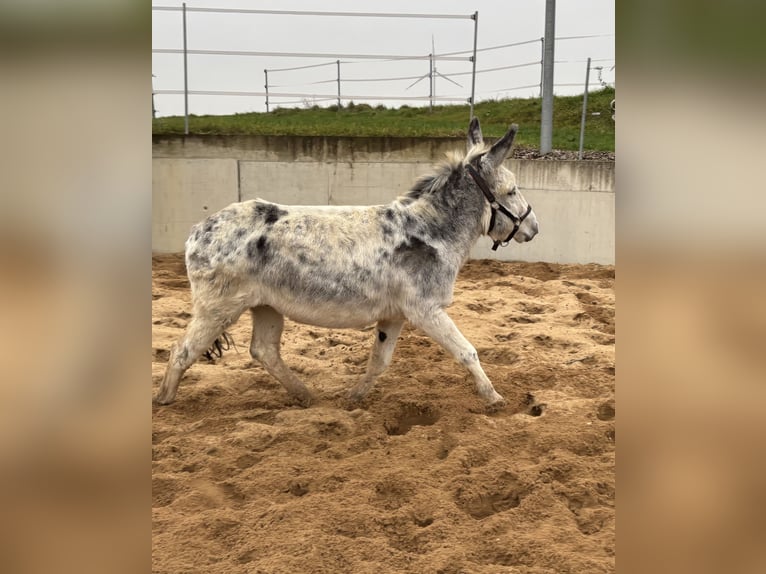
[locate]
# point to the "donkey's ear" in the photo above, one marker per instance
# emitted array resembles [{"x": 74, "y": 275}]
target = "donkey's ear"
[
  {"x": 502, "y": 147},
  {"x": 474, "y": 133}
]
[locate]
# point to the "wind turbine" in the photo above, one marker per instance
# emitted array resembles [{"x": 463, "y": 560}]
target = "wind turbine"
[{"x": 431, "y": 75}]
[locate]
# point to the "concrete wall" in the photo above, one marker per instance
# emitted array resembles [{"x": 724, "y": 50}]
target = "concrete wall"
[{"x": 195, "y": 176}]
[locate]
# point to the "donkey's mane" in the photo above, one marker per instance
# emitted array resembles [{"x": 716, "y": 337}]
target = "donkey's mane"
[{"x": 435, "y": 182}]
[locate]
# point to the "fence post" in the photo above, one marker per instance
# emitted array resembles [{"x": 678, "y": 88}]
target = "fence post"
[
  {"x": 186, "y": 81},
  {"x": 546, "y": 119},
  {"x": 266, "y": 85},
  {"x": 542, "y": 64},
  {"x": 430, "y": 83},
  {"x": 473, "y": 59},
  {"x": 584, "y": 109},
  {"x": 154, "y": 110},
  {"x": 338, "y": 63}
]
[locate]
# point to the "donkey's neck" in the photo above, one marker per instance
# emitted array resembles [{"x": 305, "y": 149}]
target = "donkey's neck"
[{"x": 452, "y": 215}]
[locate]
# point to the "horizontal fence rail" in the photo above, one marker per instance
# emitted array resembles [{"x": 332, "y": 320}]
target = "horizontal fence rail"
[
  {"x": 311, "y": 13},
  {"x": 302, "y": 95},
  {"x": 389, "y": 57}
]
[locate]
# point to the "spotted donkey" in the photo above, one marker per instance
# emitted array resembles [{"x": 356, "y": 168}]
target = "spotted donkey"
[{"x": 349, "y": 267}]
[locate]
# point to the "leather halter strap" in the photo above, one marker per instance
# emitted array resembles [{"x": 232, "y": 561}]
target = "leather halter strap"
[{"x": 493, "y": 203}]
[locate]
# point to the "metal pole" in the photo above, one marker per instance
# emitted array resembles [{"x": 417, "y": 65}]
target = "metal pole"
[
  {"x": 584, "y": 109},
  {"x": 186, "y": 81},
  {"x": 266, "y": 85},
  {"x": 546, "y": 119},
  {"x": 542, "y": 60},
  {"x": 473, "y": 58},
  {"x": 431, "y": 83},
  {"x": 338, "y": 62}
]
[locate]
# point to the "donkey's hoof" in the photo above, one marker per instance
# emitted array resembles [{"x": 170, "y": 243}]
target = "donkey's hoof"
[
  {"x": 496, "y": 404},
  {"x": 350, "y": 404},
  {"x": 353, "y": 400},
  {"x": 304, "y": 399},
  {"x": 160, "y": 400}
]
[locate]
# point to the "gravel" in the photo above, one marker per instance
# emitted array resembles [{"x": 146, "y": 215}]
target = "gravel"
[{"x": 558, "y": 154}]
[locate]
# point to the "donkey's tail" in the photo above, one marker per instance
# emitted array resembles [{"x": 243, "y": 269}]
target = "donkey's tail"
[{"x": 221, "y": 344}]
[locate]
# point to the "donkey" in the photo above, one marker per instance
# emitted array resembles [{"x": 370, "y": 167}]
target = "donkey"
[{"x": 351, "y": 267}]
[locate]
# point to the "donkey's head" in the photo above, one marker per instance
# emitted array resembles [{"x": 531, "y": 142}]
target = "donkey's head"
[{"x": 511, "y": 214}]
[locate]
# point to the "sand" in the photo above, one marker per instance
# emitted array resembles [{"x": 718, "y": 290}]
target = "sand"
[{"x": 419, "y": 479}]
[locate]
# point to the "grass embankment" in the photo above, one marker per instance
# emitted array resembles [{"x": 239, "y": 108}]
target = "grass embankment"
[{"x": 365, "y": 120}]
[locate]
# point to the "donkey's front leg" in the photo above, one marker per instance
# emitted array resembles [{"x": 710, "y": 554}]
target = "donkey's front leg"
[
  {"x": 441, "y": 329},
  {"x": 386, "y": 334}
]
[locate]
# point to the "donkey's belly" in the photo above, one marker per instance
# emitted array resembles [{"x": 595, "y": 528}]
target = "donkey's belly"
[
  {"x": 333, "y": 315},
  {"x": 313, "y": 303}
]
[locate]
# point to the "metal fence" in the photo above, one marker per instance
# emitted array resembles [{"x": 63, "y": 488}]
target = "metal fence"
[
  {"x": 278, "y": 81},
  {"x": 186, "y": 51}
]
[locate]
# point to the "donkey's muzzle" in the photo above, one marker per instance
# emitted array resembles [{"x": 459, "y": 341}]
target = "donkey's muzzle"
[{"x": 530, "y": 235}]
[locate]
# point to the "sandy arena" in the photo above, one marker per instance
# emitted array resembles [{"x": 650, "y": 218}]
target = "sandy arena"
[{"x": 419, "y": 480}]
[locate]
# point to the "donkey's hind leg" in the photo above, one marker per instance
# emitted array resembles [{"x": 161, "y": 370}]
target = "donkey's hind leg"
[
  {"x": 264, "y": 346},
  {"x": 386, "y": 334},
  {"x": 204, "y": 328},
  {"x": 441, "y": 329}
]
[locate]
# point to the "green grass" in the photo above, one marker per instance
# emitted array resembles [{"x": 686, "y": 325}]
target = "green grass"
[{"x": 364, "y": 120}]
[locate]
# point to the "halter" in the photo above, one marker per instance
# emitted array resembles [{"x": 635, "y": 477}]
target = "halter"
[{"x": 493, "y": 203}]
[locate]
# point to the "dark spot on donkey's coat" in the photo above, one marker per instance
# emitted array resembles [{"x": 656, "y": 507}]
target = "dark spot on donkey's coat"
[
  {"x": 196, "y": 259},
  {"x": 210, "y": 223},
  {"x": 383, "y": 256},
  {"x": 416, "y": 255},
  {"x": 268, "y": 212},
  {"x": 408, "y": 221},
  {"x": 421, "y": 262},
  {"x": 227, "y": 247},
  {"x": 259, "y": 248}
]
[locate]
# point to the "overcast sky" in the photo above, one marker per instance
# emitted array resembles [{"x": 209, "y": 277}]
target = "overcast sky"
[{"x": 500, "y": 22}]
